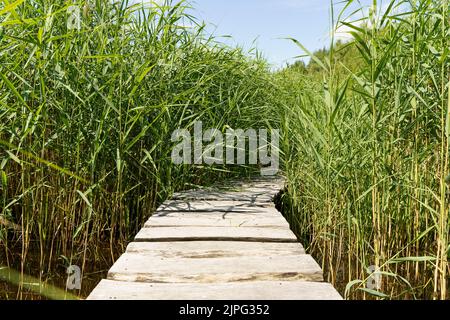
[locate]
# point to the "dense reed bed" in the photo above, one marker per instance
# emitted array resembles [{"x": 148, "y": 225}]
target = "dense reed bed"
[
  {"x": 368, "y": 151},
  {"x": 86, "y": 118}
]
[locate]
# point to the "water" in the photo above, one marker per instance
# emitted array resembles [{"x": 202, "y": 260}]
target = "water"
[{"x": 54, "y": 273}]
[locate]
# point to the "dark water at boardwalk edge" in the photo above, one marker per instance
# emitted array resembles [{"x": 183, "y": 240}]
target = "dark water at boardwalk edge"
[{"x": 95, "y": 269}]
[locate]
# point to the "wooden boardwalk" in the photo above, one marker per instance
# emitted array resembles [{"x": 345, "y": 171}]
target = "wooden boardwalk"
[{"x": 218, "y": 244}]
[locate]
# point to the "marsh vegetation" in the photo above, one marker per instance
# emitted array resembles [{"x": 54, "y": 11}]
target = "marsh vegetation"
[{"x": 86, "y": 118}]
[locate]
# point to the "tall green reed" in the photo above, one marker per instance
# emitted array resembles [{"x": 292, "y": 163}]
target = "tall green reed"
[
  {"x": 86, "y": 116},
  {"x": 367, "y": 161}
]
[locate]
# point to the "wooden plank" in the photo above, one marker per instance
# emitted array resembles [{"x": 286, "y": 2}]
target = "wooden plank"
[
  {"x": 216, "y": 234},
  {"x": 267, "y": 212},
  {"x": 275, "y": 182},
  {"x": 217, "y": 244},
  {"x": 278, "y": 181},
  {"x": 216, "y": 206},
  {"x": 217, "y": 195},
  {"x": 255, "y": 290},
  {"x": 140, "y": 267},
  {"x": 271, "y": 191},
  {"x": 208, "y": 249},
  {"x": 253, "y": 193},
  {"x": 217, "y": 220}
]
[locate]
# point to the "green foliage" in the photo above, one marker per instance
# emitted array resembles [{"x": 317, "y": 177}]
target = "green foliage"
[
  {"x": 367, "y": 154},
  {"x": 86, "y": 118}
]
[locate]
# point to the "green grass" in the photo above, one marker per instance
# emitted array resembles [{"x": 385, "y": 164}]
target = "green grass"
[
  {"x": 86, "y": 117},
  {"x": 367, "y": 155}
]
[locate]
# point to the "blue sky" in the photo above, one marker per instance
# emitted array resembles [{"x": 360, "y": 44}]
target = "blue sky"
[{"x": 267, "y": 21}]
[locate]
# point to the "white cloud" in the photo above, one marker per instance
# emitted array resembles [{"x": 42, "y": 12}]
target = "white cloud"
[
  {"x": 343, "y": 32},
  {"x": 360, "y": 18}
]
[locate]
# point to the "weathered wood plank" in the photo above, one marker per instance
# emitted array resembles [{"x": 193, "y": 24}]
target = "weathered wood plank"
[
  {"x": 238, "y": 185},
  {"x": 208, "y": 249},
  {"x": 147, "y": 268},
  {"x": 216, "y": 220},
  {"x": 252, "y": 193},
  {"x": 217, "y": 243},
  {"x": 255, "y": 290},
  {"x": 217, "y": 195},
  {"x": 258, "y": 181},
  {"x": 215, "y": 206},
  {"x": 216, "y": 234},
  {"x": 268, "y": 212}
]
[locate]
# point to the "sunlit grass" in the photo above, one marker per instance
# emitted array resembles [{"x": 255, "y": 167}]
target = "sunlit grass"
[
  {"x": 367, "y": 155},
  {"x": 86, "y": 118}
]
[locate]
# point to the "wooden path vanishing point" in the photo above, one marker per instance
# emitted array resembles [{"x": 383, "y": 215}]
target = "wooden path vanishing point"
[{"x": 217, "y": 244}]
